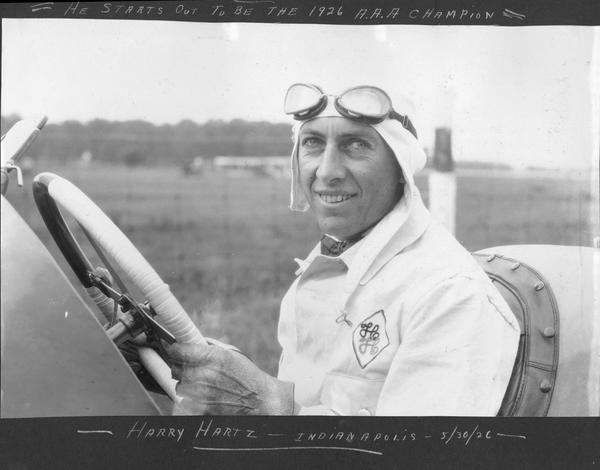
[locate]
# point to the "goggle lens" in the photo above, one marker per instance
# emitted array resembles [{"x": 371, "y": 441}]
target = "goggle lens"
[
  {"x": 365, "y": 102},
  {"x": 301, "y": 98}
]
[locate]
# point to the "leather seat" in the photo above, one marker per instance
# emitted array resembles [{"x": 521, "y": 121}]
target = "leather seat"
[{"x": 532, "y": 301}]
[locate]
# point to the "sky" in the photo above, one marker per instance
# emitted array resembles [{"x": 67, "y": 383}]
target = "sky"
[{"x": 521, "y": 96}]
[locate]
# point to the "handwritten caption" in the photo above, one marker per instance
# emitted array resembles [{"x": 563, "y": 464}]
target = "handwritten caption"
[
  {"x": 262, "y": 9},
  {"x": 211, "y": 435}
]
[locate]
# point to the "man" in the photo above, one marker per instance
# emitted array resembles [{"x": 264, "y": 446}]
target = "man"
[{"x": 388, "y": 315}]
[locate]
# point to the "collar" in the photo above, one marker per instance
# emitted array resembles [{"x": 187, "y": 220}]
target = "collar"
[{"x": 346, "y": 257}]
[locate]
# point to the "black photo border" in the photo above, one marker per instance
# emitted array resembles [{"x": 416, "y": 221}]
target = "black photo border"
[{"x": 307, "y": 442}]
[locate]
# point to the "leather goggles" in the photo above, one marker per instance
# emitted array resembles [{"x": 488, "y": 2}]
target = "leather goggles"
[{"x": 363, "y": 103}]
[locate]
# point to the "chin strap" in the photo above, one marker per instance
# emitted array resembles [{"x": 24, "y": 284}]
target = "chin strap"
[{"x": 333, "y": 246}]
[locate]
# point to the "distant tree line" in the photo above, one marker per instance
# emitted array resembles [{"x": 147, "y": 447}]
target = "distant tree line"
[{"x": 141, "y": 142}]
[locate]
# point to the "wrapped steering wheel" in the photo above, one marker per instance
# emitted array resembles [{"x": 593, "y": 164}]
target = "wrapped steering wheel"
[{"x": 127, "y": 317}]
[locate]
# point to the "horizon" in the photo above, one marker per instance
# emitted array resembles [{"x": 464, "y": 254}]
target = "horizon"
[
  {"x": 461, "y": 164},
  {"x": 522, "y": 95}
]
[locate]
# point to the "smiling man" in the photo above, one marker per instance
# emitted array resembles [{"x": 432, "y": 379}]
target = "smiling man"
[
  {"x": 348, "y": 174},
  {"x": 388, "y": 314}
]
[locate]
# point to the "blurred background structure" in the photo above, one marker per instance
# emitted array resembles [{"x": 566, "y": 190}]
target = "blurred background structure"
[{"x": 176, "y": 131}]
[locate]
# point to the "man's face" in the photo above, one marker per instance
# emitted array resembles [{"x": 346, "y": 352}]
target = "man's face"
[{"x": 348, "y": 173}]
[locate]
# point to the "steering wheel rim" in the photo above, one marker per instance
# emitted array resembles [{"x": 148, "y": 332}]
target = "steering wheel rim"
[{"x": 48, "y": 189}]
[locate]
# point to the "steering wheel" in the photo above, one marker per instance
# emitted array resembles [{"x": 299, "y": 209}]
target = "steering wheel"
[{"x": 173, "y": 323}]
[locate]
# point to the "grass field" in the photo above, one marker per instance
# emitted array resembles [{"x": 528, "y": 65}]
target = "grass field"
[{"x": 225, "y": 243}]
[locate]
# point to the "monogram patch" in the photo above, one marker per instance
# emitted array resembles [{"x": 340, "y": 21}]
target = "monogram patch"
[{"x": 370, "y": 338}]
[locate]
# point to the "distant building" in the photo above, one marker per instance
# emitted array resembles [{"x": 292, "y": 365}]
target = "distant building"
[
  {"x": 198, "y": 165},
  {"x": 275, "y": 167}
]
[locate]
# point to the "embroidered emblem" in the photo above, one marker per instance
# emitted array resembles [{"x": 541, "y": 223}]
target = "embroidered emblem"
[{"x": 370, "y": 338}]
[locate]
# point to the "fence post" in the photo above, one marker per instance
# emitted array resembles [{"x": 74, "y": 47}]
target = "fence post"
[{"x": 442, "y": 181}]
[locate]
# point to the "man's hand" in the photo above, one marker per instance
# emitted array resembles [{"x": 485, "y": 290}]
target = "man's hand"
[{"x": 218, "y": 381}]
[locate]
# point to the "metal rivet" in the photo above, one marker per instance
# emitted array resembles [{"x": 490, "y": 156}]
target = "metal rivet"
[
  {"x": 515, "y": 266},
  {"x": 549, "y": 332},
  {"x": 545, "y": 386},
  {"x": 539, "y": 286},
  {"x": 490, "y": 258}
]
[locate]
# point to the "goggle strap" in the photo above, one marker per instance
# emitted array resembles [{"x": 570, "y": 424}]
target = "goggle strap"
[{"x": 405, "y": 121}]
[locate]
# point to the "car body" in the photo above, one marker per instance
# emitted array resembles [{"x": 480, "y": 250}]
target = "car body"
[{"x": 57, "y": 359}]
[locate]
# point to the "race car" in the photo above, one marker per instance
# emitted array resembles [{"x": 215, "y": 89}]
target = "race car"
[{"x": 59, "y": 358}]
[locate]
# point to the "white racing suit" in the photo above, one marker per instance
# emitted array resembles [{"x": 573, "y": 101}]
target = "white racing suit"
[{"x": 402, "y": 323}]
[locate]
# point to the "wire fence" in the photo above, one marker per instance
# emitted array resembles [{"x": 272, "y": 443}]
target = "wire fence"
[{"x": 225, "y": 240}]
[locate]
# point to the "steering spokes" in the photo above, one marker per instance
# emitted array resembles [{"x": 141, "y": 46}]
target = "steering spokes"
[{"x": 136, "y": 317}]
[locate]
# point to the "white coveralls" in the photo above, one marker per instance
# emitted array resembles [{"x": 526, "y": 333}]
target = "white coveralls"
[
  {"x": 403, "y": 323},
  {"x": 445, "y": 340}
]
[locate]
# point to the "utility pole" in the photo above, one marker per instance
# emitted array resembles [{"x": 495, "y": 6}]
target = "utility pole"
[{"x": 442, "y": 181}]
